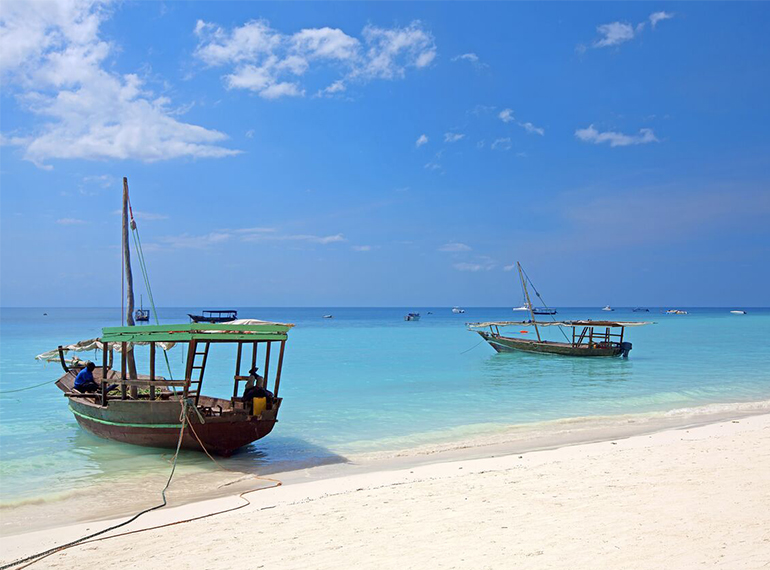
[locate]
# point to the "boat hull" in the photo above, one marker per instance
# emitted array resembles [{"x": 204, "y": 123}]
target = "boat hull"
[
  {"x": 202, "y": 319},
  {"x": 157, "y": 424},
  {"x": 509, "y": 344}
]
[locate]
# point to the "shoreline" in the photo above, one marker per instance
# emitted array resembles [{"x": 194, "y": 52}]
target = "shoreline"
[
  {"x": 675, "y": 498},
  {"x": 202, "y": 485}
]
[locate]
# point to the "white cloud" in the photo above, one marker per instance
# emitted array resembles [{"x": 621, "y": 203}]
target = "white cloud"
[
  {"x": 503, "y": 143},
  {"x": 270, "y": 63},
  {"x": 432, "y": 166},
  {"x": 454, "y": 247},
  {"x": 532, "y": 129},
  {"x": 506, "y": 115},
  {"x": 145, "y": 216},
  {"x": 267, "y": 235},
  {"x": 187, "y": 241},
  {"x": 361, "y": 248},
  {"x": 453, "y": 137},
  {"x": 483, "y": 263},
  {"x": 656, "y": 17},
  {"x": 54, "y": 57},
  {"x": 422, "y": 139},
  {"x": 471, "y": 58},
  {"x": 590, "y": 134},
  {"x": 70, "y": 221},
  {"x": 614, "y": 34},
  {"x": 510, "y": 267},
  {"x": 250, "y": 134}
]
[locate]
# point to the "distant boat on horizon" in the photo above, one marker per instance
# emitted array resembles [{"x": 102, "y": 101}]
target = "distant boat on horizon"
[
  {"x": 641, "y": 310},
  {"x": 544, "y": 311},
  {"x": 328, "y": 316},
  {"x": 214, "y": 316},
  {"x": 738, "y": 312},
  {"x": 412, "y": 317},
  {"x": 676, "y": 312},
  {"x": 607, "y": 308},
  {"x": 142, "y": 315},
  {"x": 457, "y": 310}
]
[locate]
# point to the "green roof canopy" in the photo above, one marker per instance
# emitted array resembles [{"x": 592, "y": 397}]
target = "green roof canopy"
[{"x": 223, "y": 332}]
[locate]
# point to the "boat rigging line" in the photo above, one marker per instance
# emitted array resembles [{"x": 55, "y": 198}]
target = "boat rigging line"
[
  {"x": 146, "y": 277},
  {"x": 186, "y": 406},
  {"x": 539, "y": 296}
]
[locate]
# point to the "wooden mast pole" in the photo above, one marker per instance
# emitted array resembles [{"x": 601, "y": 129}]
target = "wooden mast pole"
[
  {"x": 131, "y": 363},
  {"x": 526, "y": 295}
]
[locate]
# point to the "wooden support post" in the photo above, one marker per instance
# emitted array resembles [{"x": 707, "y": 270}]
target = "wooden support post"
[
  {"x": 280, "y": 368},
  {"x": 191, "y": 348},
  {"x": 105, "y": 350},
  {"x": 621, "y": 334},
  {"x": 591, "y": 337},
  {"x": 253, "y": 356},
  {"x": 123, "y": 358},
  {"x": 152, "y": 370},
  {"x": 267, "y": 363},
  {"x": 112, "y": 358},
  {"x": 238, "y": 356}
]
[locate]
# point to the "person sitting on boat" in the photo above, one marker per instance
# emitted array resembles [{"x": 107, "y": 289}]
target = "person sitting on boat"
[
  {"x": 255, "y": 387},
  {"x": 84, "y": 381}
]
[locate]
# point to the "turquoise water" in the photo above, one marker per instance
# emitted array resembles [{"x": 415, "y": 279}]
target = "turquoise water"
[{"x": 367, "y": 381}]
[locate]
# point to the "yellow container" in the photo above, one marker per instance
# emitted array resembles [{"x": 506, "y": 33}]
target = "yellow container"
[{"x": 260, "y": 405}]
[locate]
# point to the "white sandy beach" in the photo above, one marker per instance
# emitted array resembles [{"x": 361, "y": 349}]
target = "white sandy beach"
[{"x": 682, "y": 498}]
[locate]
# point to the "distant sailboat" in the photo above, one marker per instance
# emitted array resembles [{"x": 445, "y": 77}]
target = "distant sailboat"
[
  {"x": 607, "y": 308},
  {"x": 141, "y": 315}
]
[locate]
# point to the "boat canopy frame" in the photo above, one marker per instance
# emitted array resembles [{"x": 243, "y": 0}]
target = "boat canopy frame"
[
  {"x": 197, "y": 336},
  {"x": 586, "y": 337}
]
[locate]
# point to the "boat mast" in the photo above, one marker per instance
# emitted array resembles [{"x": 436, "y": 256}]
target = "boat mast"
[
  {"x": 526, "y": 295},
  {"x": 129, "y": 282}
]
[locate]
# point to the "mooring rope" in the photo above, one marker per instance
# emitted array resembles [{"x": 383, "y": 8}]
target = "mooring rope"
[
  {"x": 186, "y": 405},
  {"x": 27, "y": 387}
]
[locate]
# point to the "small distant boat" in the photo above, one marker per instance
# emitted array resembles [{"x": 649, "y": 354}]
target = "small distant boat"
[
  {"x": 141, "y": 315},
  {"x": 328, "y": 316},
  {"x": 676, "y": 312},
  {"x": 607, "y": 308},
  {"x": 738, "y": 312},
  {"x": 430, "y": 313},
  {"x": 412, "y": 317},
  {"x": 457, "y": 310},
  {"x": 522, "y": 308},
  {"x": 544, "y": 311},
  {"x": 214, "y": 316},
  {"x": 641, "y": 310}
]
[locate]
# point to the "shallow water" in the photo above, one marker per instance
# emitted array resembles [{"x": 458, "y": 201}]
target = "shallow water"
[{"x": 367, "y": 381}]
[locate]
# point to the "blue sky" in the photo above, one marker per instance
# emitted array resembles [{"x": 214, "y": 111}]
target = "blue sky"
[{"x": 382, "y": 154}]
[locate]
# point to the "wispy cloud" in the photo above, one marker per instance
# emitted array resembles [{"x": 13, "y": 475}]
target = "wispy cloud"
[
  {"x": 272, "y": 64},
  {"x": 453, "y": 137},
  {"x": 616, "y": 33},
  {"x": 144, "y": 216},
  {"x": 502, "y": 143},
  {"x": 455, "y": 247},
  {"x": 70, "y": 221},
  {"x": 361, "y": 248},
  {"x": 482, "y": 263},
  {"x": 421, "y": 140},
  {"x": 506, "y": 116},
  {"x": 656, "y": 17},
  {"x": 471, "y": 58},
  {"x": 532, "y": 129},
  {"x": 510, "y": 267},
  {"x": 53, "y": 57},
  {"x": 432, "y": 166},
  {"x": 187, "y": 241},
  {"x": 613, "y": 138}
]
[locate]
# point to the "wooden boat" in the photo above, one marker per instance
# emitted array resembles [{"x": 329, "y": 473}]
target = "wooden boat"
[
  {"x": 544, "y": 311},
  {"x": 412, "y": 317},
  {"x": 153, "y": 411},
  {"x": 214, "y": 316},
  {"x": 640, "y": 310},
  {"x": 146, "y": 410},
  {"x": 585, "y": 339},
  {"x": 676, "y": 312}
]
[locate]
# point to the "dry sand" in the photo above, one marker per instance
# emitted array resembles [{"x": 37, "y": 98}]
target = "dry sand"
[{"x": 683, "y": 498}]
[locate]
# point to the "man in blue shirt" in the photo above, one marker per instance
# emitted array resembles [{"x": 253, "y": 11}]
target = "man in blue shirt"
[{"x": 84, "y": 381}]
